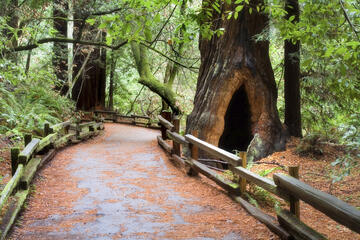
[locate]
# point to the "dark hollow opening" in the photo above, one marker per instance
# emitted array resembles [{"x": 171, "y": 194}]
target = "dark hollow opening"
[{"x": 237, "y": 132}]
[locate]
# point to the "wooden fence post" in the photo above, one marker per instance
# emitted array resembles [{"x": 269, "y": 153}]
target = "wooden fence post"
[
  {"x": 77, "y": 129},
  {"x": 176, "y": 146},
  {"x": 194, "y": 154},
  {"x": 294, "y": 202},
  {"x": 14, "y": 159},
  {"x": 27, "y": 139},
  {"x": 244, "y": 165},
  {"x": 47, "y": 129},
  {"x": 167, "y": 116}
]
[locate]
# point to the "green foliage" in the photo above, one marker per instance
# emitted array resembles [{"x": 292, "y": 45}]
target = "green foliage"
[{"x": 27, "y": 102}]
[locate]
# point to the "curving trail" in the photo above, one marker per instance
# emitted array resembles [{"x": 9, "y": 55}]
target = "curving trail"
[{"x": 122, "y": 186}]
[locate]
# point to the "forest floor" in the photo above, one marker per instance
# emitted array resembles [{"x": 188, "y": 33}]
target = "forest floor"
[{"x": 152, "y": 200}]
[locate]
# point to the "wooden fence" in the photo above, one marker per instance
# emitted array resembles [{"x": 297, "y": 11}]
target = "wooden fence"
[
  {"x": 36, "y": 153},
  {"x": 288, "y": 224},
  {"x": 142, "y": 121}
]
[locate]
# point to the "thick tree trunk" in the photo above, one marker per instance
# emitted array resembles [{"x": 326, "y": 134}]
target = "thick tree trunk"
[
  {"x": 89, "y": 89},
  {"x": 235, "y": 100},
  {"x": 292, "y": 76},
  {"x": 60, "y": 51}
]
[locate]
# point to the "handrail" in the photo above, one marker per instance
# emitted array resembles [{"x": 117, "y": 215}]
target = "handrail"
[
  {"x": 333, "y": 207},
  {"x": 285, "y": 187},
  {"x": 165, "y": 123},
  {"x": 215, "y": 151}
]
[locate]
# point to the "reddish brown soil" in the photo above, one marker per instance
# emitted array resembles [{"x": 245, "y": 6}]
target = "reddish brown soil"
[{"x": 121, "y": 185}]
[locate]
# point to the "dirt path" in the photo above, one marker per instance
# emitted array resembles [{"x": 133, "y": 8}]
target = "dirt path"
[{"x": 122, "y": 186}]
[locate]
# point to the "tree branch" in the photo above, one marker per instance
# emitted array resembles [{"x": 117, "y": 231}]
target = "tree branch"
[
  {"x": 67, "y": 40},
  {"x": 191, "y": 68},
  {"x": 348, "y": 19}
]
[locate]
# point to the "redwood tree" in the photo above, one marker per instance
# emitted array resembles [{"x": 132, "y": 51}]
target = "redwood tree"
[{"x": 235, "y": 100}]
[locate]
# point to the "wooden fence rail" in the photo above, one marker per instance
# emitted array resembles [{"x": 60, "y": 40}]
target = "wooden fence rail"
[
  {"x": 288, "y": 188},
  {"x": 25, "y": 165},
  {"x": 143, "y": 121}
]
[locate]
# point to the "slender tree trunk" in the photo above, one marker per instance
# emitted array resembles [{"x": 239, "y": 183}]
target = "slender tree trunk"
[
  {"x": 60, "y": 51},
  {"x": 292, "y": 76},
  {"x": 235, "y": 99},
  {"x": 112, "y": 82},
  {"x": 28, "y": 61}
]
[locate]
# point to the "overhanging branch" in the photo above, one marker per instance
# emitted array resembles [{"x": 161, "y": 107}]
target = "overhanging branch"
[{"x": 67, "y": 40}]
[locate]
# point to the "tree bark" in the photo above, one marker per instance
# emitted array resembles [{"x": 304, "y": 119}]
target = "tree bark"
[
  {"x": 60, "y": 51},
  {"x": 89, "y": 90},
  {"x": 111, "y": 84},
  {"x": 292, "y": 76},
  {"x": 235, "y": 99}
]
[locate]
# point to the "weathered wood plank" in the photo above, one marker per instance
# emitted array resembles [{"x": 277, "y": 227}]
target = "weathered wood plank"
[
  {"x": 12, "y": 213},
  {"x": 45, "y": 159},
  {"x": 29, "y": 172},
  {"x": 11, "y": 185},
  {"x": 47, "y": 141},
  {"x": 260, "y": 181},
  {"x": 177, "y": 137},
  {"x": 333, "y": 207},
  {"x": 143, "y": 117},
  {"x": 165, "y": 123},
  {"x": 86, "y": 124},
  {"x": 296, "y": 228},
  {"x": 58, "y": 127},
  {"x": 178, "y": 160},
  {"x": 25, "y": 154},
  {"x": 218, "y": 179},
  {"x": 164, "y": 145},
  {"x": 266, "y": 219},
  {"x": 215, "y": 151},
  {"x": 64, "y": 140}
]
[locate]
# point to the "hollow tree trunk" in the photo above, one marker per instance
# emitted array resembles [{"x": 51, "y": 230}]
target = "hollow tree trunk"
[
  {"x": 235, "y": 100},
  {"x": 60, "y": 51},
  {"x": 292, "y": 76}
]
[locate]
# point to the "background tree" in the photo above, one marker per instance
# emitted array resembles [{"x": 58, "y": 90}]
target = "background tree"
[{"x": 292, "y": 74}]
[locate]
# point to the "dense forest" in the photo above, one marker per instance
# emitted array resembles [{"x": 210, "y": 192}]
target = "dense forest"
[
  {"x": 249, "y": 75},
  {"x": 141, "y": 57}
]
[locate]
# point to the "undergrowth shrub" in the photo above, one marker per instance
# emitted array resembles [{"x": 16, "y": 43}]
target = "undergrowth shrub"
[{"x": 26, "y": 105}]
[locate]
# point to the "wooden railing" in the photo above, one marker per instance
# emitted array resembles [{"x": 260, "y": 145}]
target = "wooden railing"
[
  {"x": 35, "y": 154},
  {"x": 288, "y": 224},
  {"x": 143, "y": 121}
]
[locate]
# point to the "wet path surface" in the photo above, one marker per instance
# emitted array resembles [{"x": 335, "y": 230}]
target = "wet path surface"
[{"x": 121, "y": 185}]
